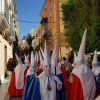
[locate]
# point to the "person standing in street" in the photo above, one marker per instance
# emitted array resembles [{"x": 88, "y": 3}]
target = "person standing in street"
[
  {"x": 16, "y": 86},
  {"x": 10, "y": 67}
]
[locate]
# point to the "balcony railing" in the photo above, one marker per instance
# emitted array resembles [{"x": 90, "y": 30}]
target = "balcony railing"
[
  {"x": 6, "y": 11},
  {"x": 44, "y": 29},
  {"x": 11, "y": 24},
  {"x": 0, "y": 6}
]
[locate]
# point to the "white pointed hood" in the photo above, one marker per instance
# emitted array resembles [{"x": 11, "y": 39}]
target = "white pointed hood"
[
  {"x": 18, "y": 59},
  {"x": 80, "y": 58},
  {"x": 85, "y": 59},
  {"x": 47, "y": 63},
  {"x": 75, "y": 56},
  {"x": 33, "y": 61},
  {"x": 42, "y": 52},
  {"x": 60, "y": 56},
  {"x": 84, "y": 73},
  {"x": 27, "y": 59},
  {"x": 41, "y": 59},
  {"x": 36, "y": 56},
  {"x": 54, "y": 60},
  {"x": 95, "y": 58},
  {"x": 75, "y": 59}
]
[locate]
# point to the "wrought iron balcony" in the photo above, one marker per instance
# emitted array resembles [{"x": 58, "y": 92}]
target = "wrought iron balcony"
[
  {"x": 47, "y": 35},
  {"x": 44, "y": 20},
  {"x": 43, "y": 23},
  {"x": 6, "y": 11}
]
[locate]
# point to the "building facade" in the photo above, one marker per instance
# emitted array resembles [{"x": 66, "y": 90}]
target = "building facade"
[
  {"x": 38, "y": 36},
  {"x": 8, "y": 28},
  {"x": 33, "y": 34},
  {"x": 51, "y": 26}
]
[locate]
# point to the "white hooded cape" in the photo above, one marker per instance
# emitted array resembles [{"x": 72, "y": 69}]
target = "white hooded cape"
[
  {"x": 84, "y": 73},
  {"x": 19, "y": 76}
]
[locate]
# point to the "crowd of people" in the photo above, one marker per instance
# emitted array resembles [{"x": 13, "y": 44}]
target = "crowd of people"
[{"x": 42, "y": 77}]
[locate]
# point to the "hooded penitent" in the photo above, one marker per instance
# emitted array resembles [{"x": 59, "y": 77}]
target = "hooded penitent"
[
  {"x": 80, "y": 58},
  {"x": 36, "y": 56},
  {"x": 43, "y": 87},
  {"x": 74, "y": 59},
  {"x": 32, "y": 65},
  {"x": 19, "y": 73},
  {"x": 17, "y": 80},
  {"x": 95, "y": 58},
  {"x": 95, "y": 66},
  {"x": 42, "y": 52},
  {"x": 60, "y": 56},
  {"x": 27, "y": 60},
  {"x": 62, "y": 67},
  {"x": 18, "y": 59},
  {"x": 47, "y": 79},
  {"x": 84, "y": 73},
  {"x": 41, "y": 60},
  {"x": 47, "y": 63},
  {"x": 31, "y": 80},
  {"x": 33, "y": 61},
  {"x": 54, "y": 62}
]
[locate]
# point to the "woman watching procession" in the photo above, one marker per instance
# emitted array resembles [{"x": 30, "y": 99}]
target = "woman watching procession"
[{"x": 10, "y": 67}]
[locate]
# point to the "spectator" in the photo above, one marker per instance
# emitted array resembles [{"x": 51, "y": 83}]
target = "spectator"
[{"x": 10, "y": 67}]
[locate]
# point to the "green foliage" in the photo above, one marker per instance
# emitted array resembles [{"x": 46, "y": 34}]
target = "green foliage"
[
  {"x": 78, "y": 15},
  {"x": 29, "y": 39}
]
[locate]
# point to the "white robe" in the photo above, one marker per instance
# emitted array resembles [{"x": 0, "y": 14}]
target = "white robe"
[
  {"x": 31, "y": 71},
  {"x": 19, "y": 76},
  {"x": 86, "y": 77},
  {"x": 45, "y": 93},
  {"x": 58, "y": 71}
]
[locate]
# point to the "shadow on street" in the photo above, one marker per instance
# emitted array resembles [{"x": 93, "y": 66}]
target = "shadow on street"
[{"x": 15, "y": 98}]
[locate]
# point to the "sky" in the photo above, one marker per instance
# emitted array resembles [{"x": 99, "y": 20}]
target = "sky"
[{"x": 28, "y": 10}]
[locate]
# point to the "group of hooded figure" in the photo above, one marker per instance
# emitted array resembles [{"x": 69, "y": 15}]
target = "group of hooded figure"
[
  {"x": 82, "y": 84},
  {"x": 49, "y": 85}
]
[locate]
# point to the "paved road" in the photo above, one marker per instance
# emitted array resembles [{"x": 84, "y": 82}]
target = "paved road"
[{"x": 15, "y": 98}]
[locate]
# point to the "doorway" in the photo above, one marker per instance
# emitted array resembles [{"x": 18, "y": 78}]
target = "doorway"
[{"x": 5, "y": 61}]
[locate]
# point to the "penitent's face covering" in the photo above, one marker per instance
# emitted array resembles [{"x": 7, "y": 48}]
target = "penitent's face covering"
[{"x": 47, "y": 70}]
